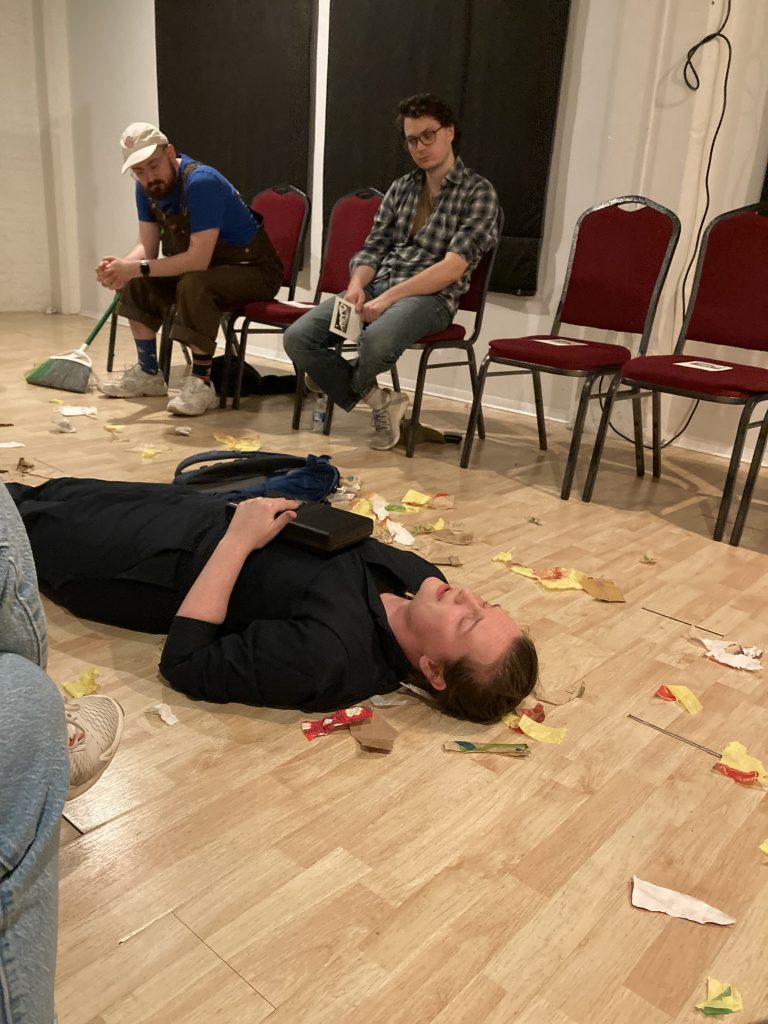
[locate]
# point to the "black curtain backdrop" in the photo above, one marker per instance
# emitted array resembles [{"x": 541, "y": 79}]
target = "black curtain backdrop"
[
  {"x": 234, "y": 86},
  {"x": 497, "y": 63}
]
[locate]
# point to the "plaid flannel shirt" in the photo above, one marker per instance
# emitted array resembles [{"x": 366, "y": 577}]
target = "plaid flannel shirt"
[{"x": 464, "y": 221}]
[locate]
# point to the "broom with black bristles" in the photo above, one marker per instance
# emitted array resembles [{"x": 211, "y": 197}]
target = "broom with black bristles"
[{"x": 72, "y": 370}]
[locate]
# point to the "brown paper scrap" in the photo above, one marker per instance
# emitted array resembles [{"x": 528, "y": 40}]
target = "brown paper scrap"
[
  {"x": 602, "y": 590},
  {"x": 375, "y": 734}
]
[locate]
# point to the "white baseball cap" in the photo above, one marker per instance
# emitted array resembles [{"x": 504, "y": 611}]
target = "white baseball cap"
[{"x": 139, "y": 141}]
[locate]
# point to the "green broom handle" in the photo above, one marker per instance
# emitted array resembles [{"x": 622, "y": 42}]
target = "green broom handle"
[{"x": 103, "y": 320}]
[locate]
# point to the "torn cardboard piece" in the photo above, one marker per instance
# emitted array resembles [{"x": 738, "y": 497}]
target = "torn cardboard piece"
[
  {"x": 453, "y": 560},
  {"x": 506, "y": 749},
  {"x": 648, "y": 896},
  {"x": 375, "y": 734},
  {"x": 602, "y": 589}
]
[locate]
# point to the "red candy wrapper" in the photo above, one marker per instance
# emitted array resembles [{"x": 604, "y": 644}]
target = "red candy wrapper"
[
  {"x": 745, "y": 778},
  {"x": 347, "y": 716},
  {"x": 665, "y": 694}
]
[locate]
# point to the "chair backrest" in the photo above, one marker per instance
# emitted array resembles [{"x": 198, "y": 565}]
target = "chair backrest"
[
  {"x": 348, "y": 227},
  {"x": 474, "y": 297},
  {"x": 729, "y": 298},
  {"x": 285, "y": 210},
  {"x": 618, "y": 263}
]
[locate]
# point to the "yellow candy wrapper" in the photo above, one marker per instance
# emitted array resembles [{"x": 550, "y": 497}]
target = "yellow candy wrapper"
[
  {"x": 84, "y": 685},
  {"x": 542, "y": 733},
  {"x": 721, "y": 999},
  {"x": 416, "y": 498}
]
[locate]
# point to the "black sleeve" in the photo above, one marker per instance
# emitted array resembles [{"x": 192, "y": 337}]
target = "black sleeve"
[{"x": 272, "y": 663}]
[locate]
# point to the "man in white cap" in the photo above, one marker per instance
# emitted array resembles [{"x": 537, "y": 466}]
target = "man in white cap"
[{"x": 216, "y": 254}]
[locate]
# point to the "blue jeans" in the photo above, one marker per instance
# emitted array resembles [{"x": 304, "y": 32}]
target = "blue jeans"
[
  {"x": 34, "y": 775},
  {"x": 312, "y": 347}
]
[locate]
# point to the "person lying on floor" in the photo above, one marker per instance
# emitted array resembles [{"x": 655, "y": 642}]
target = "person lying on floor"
[{"x": 255, "y": 619}]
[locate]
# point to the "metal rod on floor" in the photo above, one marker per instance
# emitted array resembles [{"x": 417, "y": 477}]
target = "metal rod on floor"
[{"x": 674, "y": 735}]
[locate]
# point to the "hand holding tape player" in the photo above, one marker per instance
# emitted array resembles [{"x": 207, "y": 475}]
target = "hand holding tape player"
[{"x": 257, "y": 521}]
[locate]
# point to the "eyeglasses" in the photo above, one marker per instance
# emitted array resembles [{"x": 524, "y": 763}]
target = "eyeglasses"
[{"x": 426, "y": 138}]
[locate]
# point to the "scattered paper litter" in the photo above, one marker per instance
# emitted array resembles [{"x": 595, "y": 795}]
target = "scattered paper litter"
[
  {"x": 542, "y": 733},
  {"x": 726, "y": 652},
  {"x": 114, "y": 428},
  {"x": 387, "y": 700},
  {"x": 379, "y": 507},
  {"x": 535, "y": 520},
  {"x": 442, "y": 502},
  {"x": 148, "y": 451},
  {"x": 764, "y": 847},
  {"x": 507, "y": 749},
  {"x": 721, "y": 999},
  {"x": 737, "y": 764},
  {"x": 451, "y": 535},
  {"x": 400, "y": 535},
  {"x": 84, "y": 685},
  {"x": 412, "y": 497},
  {"x": 682, "y": 695},
  {"x": 313, "y": 728},
  {"x": 503, "y": 556},
  {"x": 647, "y": 560},
  {"x": 419, "y": 691},
  {"x": 79, "y": 410},
  {"x": 12, "y": 444},
  {"x": 239, "y": 444},
  {"x": 556, "y": 578},
  {"x": 184, "y": 431},
  {"x": 363, "y": 508},
  {"x": 164, "y": 712},
  {"x": 62, "y": 424},
  {"x": 648, "y": 896},
  {"x": 22, "y": 466},
  {"x": 558, "y": 697}
]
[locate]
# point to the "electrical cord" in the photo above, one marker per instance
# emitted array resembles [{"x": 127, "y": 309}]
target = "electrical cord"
[{"x": 693, "y": 82}]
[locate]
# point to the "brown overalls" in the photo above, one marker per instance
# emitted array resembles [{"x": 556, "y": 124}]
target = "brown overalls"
[{"x": 236, "y": 274}]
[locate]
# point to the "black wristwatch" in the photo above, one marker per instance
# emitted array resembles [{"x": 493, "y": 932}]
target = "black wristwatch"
[{"x": 144, "y": 266}]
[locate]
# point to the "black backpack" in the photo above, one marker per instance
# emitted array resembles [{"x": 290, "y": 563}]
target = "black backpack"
[{"x": 240, "y": 475}]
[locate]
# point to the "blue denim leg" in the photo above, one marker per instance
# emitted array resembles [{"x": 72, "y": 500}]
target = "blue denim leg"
[
  {"x": 313, "y": 348},
  {"x": 34, "y": 774},
  {"x": 22, "y": 622},
  {"x": 384, "y": 341}
]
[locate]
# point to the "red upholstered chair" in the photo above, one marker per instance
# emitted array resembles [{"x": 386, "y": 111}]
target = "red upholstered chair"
[
  {"x": 285, "y": 210},
  {"x": 453, "y": 337},
  {"x": 348, "y": 226},
  {"x": 728, "y": 307},
  {"x": 618, "y": 262}
]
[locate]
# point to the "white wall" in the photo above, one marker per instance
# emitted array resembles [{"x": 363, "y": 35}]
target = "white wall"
[
  {"x": 626, "y": 124},
  {"x": 25, "y": 268}
]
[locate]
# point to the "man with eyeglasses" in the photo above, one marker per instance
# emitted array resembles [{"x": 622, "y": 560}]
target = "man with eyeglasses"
[
  {"x": 217, "y": 255},
  {"x": 430, "y": 232}
]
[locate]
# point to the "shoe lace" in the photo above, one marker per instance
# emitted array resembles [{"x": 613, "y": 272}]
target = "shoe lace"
[
  {"x": 381, "y": 419},
  {"x": 70, "y": 714}
]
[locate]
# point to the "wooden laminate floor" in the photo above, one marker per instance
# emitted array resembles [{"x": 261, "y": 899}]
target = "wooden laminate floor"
[{"x": 225, "y": 869}]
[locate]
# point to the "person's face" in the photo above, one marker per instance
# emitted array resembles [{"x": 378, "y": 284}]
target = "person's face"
[
  {"x": 428, "y": 155},
  {"x": 157, "y": 174},
  {"x": 449, "y": 624}
]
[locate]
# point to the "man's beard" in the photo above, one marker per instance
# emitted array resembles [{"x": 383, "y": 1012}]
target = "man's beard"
[{"x": 160, "y": 189}]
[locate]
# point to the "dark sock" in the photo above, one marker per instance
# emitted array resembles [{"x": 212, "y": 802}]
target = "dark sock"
[
  {"x": 147, "y": 350},
  {"x": 201, "y": 367}
]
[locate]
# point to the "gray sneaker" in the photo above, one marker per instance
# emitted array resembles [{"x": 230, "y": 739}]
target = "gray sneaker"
[
  {"x": 94, "y": 729},
  {"x": 135, "y": 383},
  {"x": 195, "y": 398},
  {"x": 386, "y": 421}
]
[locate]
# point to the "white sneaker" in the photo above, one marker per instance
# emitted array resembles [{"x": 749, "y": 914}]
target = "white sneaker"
[
  {"x": 195, "y": 398},
  {"x": 135, "y": 383},
  {"x": 386, "y": 420},
  {"x": 94, "y": 728}
]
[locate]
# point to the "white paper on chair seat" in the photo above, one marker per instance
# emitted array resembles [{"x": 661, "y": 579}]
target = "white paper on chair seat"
[
  {"x": 701, "y": 364},
  {"x": 648, "y": 896},
  {"x": 562, "y": 342},
  {"x": 299, "y": 305}
]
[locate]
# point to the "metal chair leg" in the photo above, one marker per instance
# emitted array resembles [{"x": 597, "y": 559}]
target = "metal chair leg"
[
  {"x": 112, "y": 340},
  {"x": 656, "y": 414},
  {"x": 474, "y": 412},
  {"x": 749, "y": 486},
  {"x": 410, "y": 441},
  {"x": 395, "y": 378},
  {"x": 329, "y": 406},
  {"x": 637, "y": 423},
  {"x": 597, "y": 450},
  {"x": 578, "y": 430},
  {"x": 298, "y": 398},
  {"x": 733, "y": 469},
  {"x": 229, "y": 343},
  {"x": 541, "y": 422},
  {"x": 473, "y": 381}
]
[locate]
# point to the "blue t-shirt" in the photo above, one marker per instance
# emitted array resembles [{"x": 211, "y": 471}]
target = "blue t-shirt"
[{"x": 212, "y": 202}]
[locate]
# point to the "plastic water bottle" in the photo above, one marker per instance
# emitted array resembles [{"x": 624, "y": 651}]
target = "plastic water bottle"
[{"x": 318, "y": 414}]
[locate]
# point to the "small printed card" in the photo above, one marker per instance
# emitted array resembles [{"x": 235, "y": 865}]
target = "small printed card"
[
  {"x": 701, "y": 364},
  {"x": 345, "y": 321},
  {"x": 562, "y": 342}
]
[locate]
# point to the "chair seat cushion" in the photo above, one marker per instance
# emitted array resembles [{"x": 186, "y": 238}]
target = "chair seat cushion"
[
  {"x": 280, "y": 314},
  {"x": 453, "y": 333},
  {"x": 736, "y": 381},
  {"x": 560, "y": 353}
]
